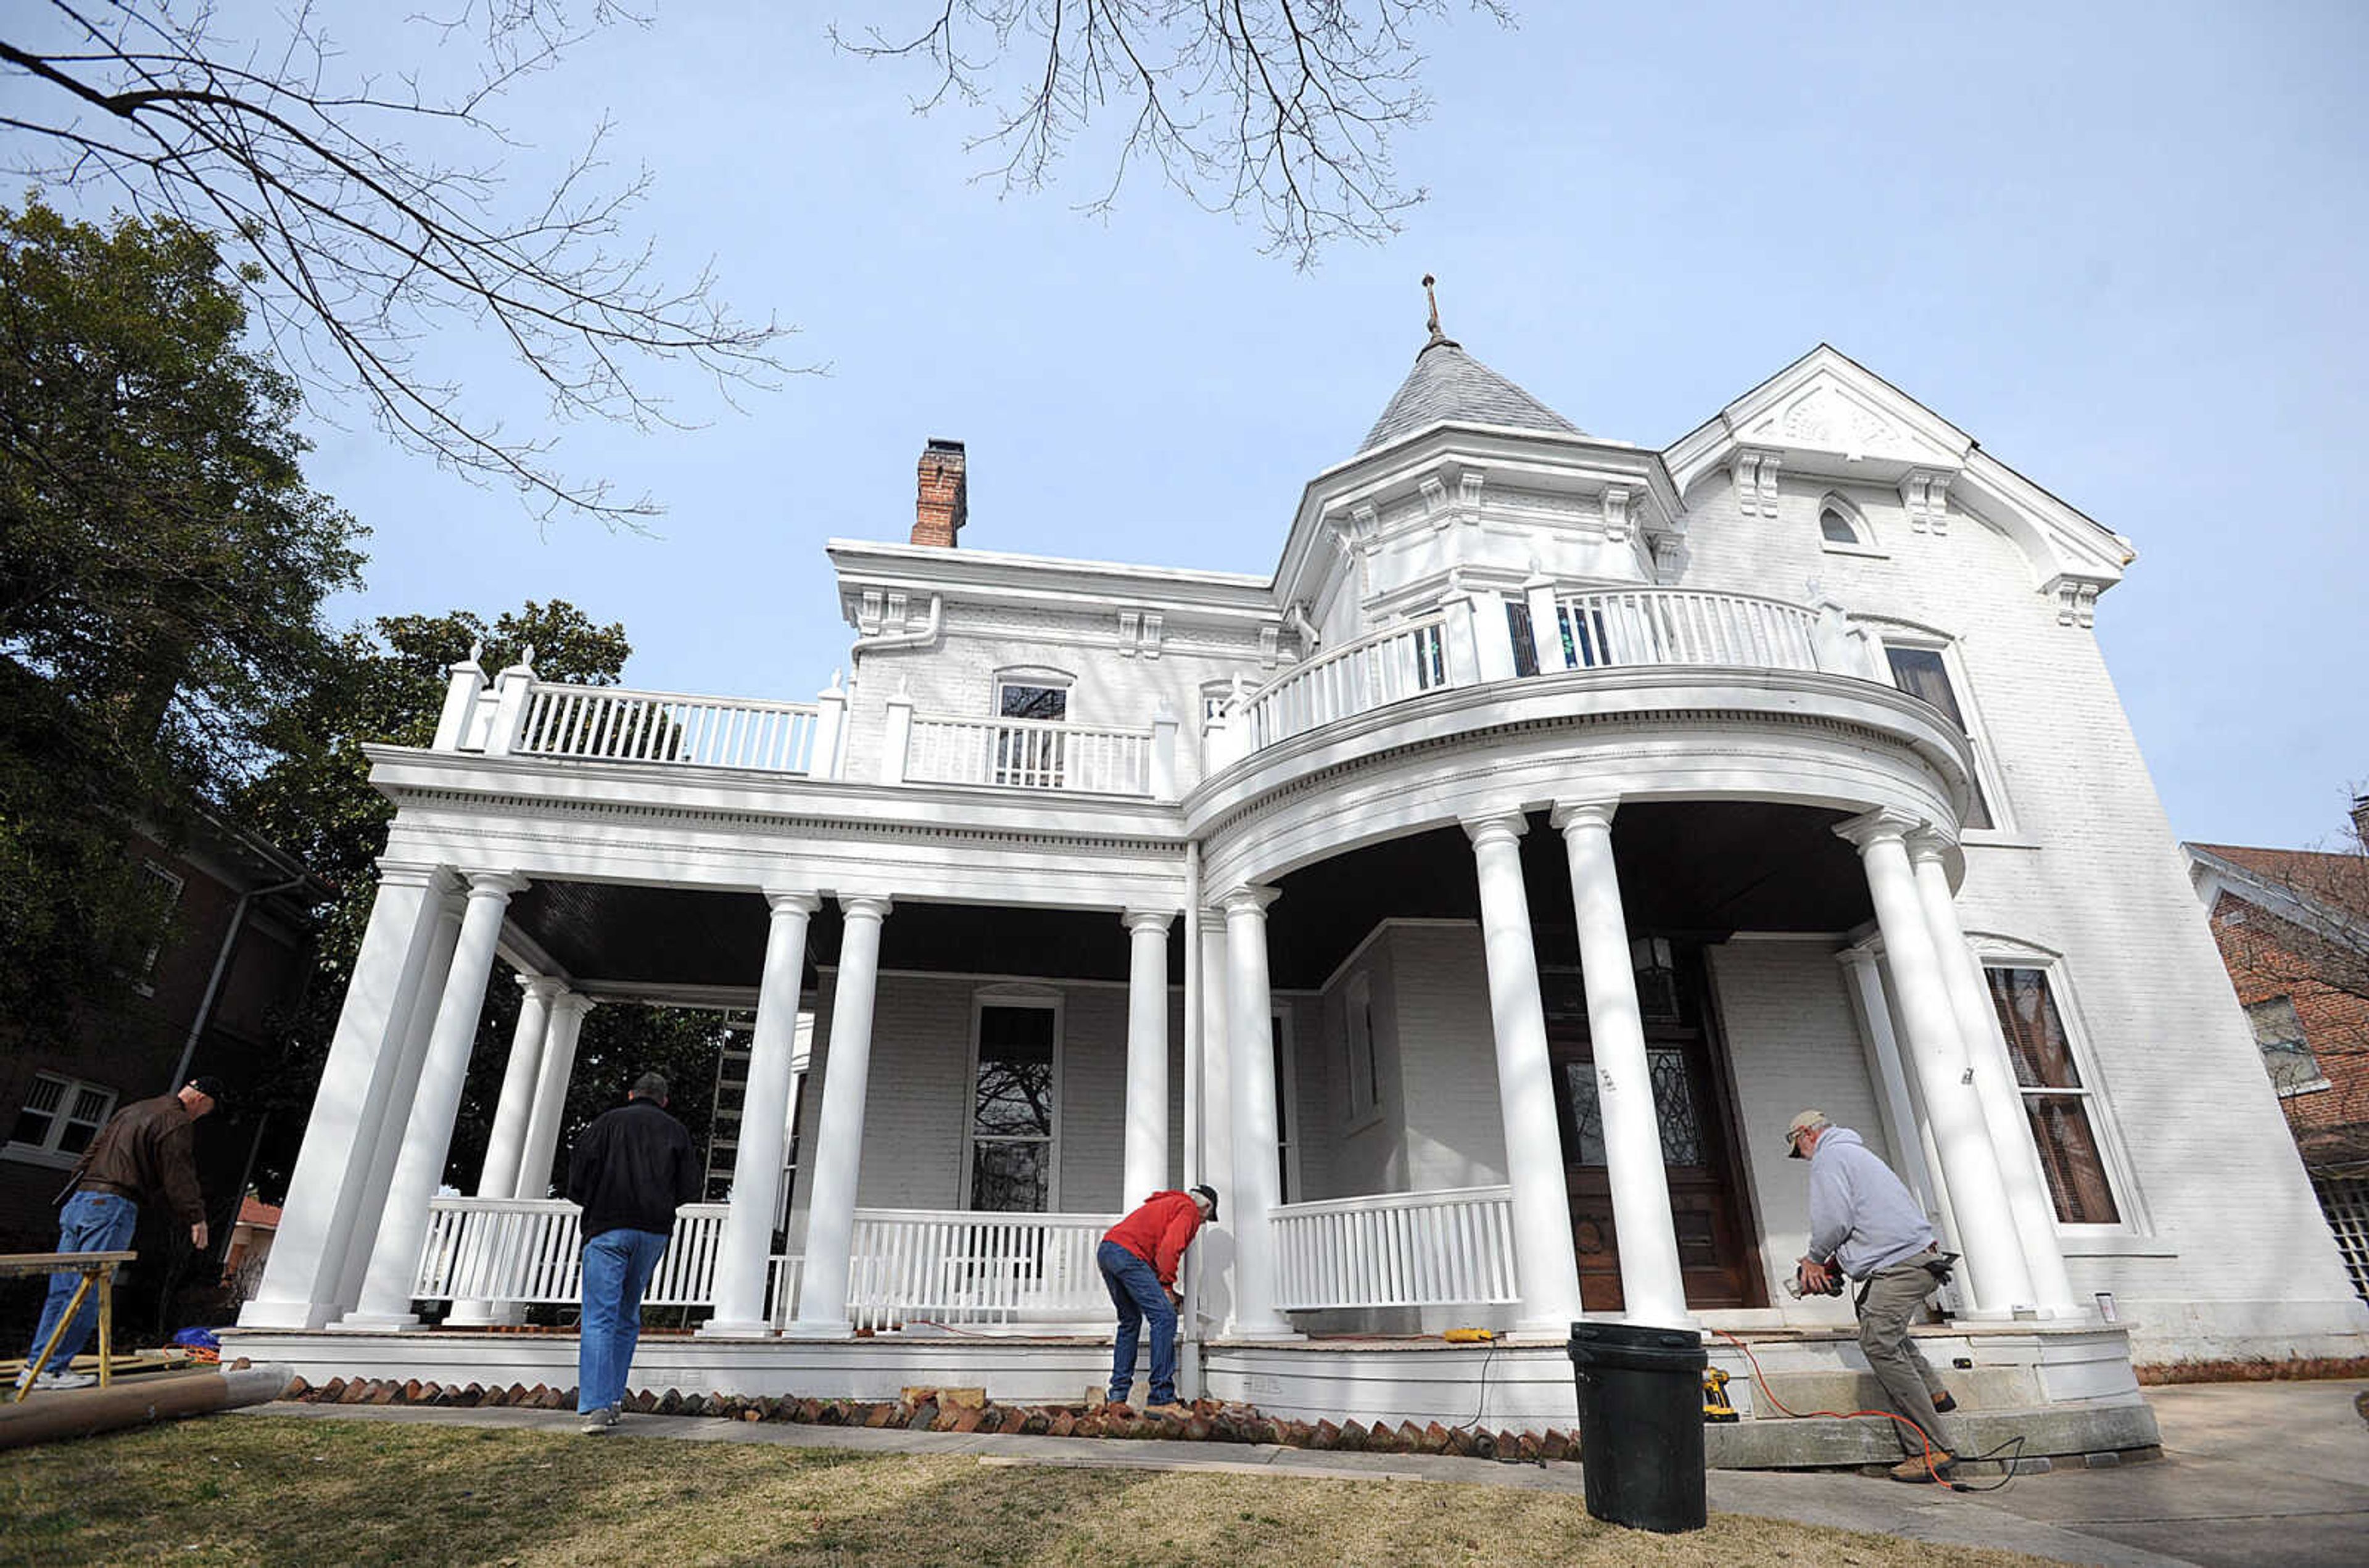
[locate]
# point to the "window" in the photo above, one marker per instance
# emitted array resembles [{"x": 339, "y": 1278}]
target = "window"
[
  {"x": 1286, "y": 1123},
  {"x": 166, "y": 888},
  {"x": 1029, "y": 753},
  {"x": 1843, "y": 529},
  {"x": 1836, "y": 528},
  {"x": 2056, "y": 1101},
  {"x": 1012, "y": 1109},
  {"x": 1365, "y": 1076},
  {"x": 2286, "y": 1055},
  {"x": 59, "y": 1118},
  {"x": 1924, "y": 674}
]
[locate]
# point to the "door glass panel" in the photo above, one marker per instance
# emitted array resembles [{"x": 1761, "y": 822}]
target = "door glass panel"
[
  {"x": 1673, "y": 1110},
  {"x": 1583, "y": 1138}
]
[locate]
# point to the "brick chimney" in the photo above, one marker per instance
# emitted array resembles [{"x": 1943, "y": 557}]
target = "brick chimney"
[{"x": 941, "y": 500}]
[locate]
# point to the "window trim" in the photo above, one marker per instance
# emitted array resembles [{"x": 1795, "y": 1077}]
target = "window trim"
[
  {"x": 1864, "y": 539},
  {"x": 1039, "y": 675},
  {"x": 175, "y": 884},
  {"x": 1357, "y": 1007},
  {"x": 2121, "y": 1182},
  {"x": 47, "y": 1151},
  {"x": 1017, "y": 996},
  {"x": 1281, "y": 1035},
  {"x": 2318, "y": 1078},
  {"x": 1890, "y": 635}
]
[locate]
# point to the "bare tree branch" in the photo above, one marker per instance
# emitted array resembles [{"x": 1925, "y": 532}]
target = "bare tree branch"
[
  {"x": 1281, "y": 109},
  {"x": 358, "y": 249}
]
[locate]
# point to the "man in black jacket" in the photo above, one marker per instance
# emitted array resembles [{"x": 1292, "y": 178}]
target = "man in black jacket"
[{"x": 630, "y": 1171}]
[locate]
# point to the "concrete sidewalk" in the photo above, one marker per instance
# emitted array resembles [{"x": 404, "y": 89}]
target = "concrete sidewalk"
[{"x": 2252, "y": 1473}]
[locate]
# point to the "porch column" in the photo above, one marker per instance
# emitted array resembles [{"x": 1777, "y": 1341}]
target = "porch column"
[
  {"x": 1250, "y": 1092},
  {"x": 1144, "y": 1164},
  {"x": 839, "y": 1128},
  {"x": 747, "y": 1243},
  {"x": 2018, "y": 1162},
  {"x": 299, "y": 1289},
  {"x": 1651, "y": 1282},
  {"x": 1997, "y": 1278},
  {"x": 427, "y": 1135},
  {"x": 541, "y": 1145},
  {"x": 1910, "y": 1138},
  {"x": 1214, "y": 1271},
  {"x": 386, "y": 1147},
  {"x": 1544, "y": 1262},
  {"x": 497, "y": 1177}
]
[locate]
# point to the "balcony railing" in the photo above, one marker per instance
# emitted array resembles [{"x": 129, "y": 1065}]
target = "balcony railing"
[
  {"x": 1020, "y": 753},
  {"x": 1677, "y": 626},
  {"x": 609, "y": 725},
  {"x": 1355, "y": 678},
  {"x": 1434, "y": 1249}
]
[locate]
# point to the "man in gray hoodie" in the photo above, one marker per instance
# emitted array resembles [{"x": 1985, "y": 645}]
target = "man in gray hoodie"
[{"x": 1865, "y": 1224}]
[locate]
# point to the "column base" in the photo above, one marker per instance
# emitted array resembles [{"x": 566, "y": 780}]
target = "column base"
[
  {"x": 1263, "y": 1331},
  {"x": 484, "y": 1314},
  {"x": 719, "y": 1328},
  {"x": 301, "y": 1316},
  {"x": 375, "y": 1322},
  {"x": 842, "y": 1329}
]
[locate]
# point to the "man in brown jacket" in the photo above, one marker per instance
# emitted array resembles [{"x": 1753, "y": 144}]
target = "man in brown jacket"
[{"x": 145, "y": 1149}]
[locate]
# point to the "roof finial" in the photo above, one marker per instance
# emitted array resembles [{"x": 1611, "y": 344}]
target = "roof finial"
[{"x": 1434, "y": 300}]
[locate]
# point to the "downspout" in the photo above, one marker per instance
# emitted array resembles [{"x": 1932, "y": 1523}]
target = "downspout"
[
  {"x": 1188, "y": 1326},
  {"x": 927, "y": 635},
  {"x": 1295, "y": 617},
  {"x": 213, "y": 981}
]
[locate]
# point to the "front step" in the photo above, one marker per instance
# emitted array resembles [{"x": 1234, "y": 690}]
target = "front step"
[{"x": 1823, "y": 1443}]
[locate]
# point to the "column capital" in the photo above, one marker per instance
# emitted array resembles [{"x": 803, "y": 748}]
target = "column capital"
[
  {"x": 1212, "y": 915},
  {"x": 1140, "y": 921},
  {"x": 791, "y": 900},
  {"x": 865, "y": 906},
  {"x": 574, "y": 1002},
  {"x": 1885, "y": 824},
  {"x": 1495, "y": 827},
  {"x": 413, "y": 874},
  {"x": 541, "y": 987},
  {"x": 1929, "y": 843},
  {"x": 1248, "y": 900},
  {"x": 495, "y": 884},
  {"x": 1569, "y": 814}
]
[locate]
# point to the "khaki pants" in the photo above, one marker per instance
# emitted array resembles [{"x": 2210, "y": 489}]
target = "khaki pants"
[{"x": 1890, "y": 1301}]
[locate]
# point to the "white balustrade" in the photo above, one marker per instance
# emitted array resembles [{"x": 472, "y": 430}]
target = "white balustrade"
[
  {"x": 1434, "y": 1249},
  {"x": 958, "y": 1267},
  {"x": 783, "y": 1274},
  {"x": 1635, "y": 626},
  {"x": 1355, "y": 677},
  {"x": 530, "y": 1250},
  {"x": 609, "y": 723},
  {"x": 1027, "y": 753}
]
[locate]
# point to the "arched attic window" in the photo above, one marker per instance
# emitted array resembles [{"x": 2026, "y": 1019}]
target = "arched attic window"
[{"x": 1842, "y": 527}]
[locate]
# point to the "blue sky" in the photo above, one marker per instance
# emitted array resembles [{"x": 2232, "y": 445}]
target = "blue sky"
[{"x": 2118, "y": 244}]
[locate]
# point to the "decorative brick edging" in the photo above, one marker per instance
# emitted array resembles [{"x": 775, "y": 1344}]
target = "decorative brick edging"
[{"x": 955, "y": 1410}]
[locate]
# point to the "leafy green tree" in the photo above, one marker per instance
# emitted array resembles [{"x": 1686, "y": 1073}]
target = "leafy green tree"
[
  {"x": 385, "y": 686},
  {"x": 163, "y": 566}
]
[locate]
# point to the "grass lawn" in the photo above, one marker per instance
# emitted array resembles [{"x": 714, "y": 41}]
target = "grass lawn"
[{"x": 266, "y": 1490}]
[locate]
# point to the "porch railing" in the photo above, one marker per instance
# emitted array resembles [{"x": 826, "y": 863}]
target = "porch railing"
[
  {"x": 528, "y": 1251},
  {"x": 1020, "y": 753},
  {"x": 606, "y": 724},
  {"x": 1353, "y": 678},
  {"x": 1677, "y": 626},
  {"x": 958, "y": 1267},
  {"x": 1434, "y": 1249}
]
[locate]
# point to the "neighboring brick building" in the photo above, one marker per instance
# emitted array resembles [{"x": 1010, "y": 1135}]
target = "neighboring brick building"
[
  {"x": 240, "y": 949},
  {"x": 2293, "y": 929}
]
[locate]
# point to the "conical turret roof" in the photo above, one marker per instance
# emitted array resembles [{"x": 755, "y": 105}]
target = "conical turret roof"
[{"x": 1448, "y": 384}]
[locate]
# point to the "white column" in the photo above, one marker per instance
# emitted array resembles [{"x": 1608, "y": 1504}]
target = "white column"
[
  {"x": 1251, "y": 1089},
  {"x": 2018, "y": 1162},
  {"x": 497, "y": 1177},
  {"x": 747, "y": 1246},
  {"x": 300, "y": 1285},
  {"x": 1651, "y": 1282},
  {"x": 1215, "y": 1279},
  {"x": 839, "y": 1129},
  {"x": 1543, "y": 1260},
  {"x": 1997, "y": 1279},
  {"x": 1144, "y": 1164},
  {"x": 427, "y": 1134},
  {"x": 1904, "y": 1130},
  {"x": 386, "y": 1147},
  {"x": 542, "y": 1144}
]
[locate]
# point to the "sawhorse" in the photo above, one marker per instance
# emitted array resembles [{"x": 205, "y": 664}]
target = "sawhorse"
[{"x": 97, "y": 1271}]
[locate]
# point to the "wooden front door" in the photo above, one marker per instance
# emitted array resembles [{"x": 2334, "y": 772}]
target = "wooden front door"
[{"x": 1691, "y": 1092}]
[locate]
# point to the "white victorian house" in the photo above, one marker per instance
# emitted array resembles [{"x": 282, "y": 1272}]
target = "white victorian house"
[{"x": 1472, "y": 900}]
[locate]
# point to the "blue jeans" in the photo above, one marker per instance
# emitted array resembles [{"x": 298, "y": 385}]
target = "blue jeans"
[
  {"x": 90, "y": 1222},
  {"x": 1136, "y": 1291},
  {"x": 617, "y": 1269}
]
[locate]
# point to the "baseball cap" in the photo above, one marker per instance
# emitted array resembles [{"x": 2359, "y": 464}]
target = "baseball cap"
[
  {"x": 1204, "y": 1190},
  {"x": 1801, "y": 1123},
  {"x": 206, "y": 1084}
]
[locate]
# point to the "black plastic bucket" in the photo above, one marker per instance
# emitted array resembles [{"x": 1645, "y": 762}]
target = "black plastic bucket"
[{"x": 1641, "y": 1427}]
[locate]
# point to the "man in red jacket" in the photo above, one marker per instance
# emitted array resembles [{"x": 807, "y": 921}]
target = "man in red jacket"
[{"x": 1139, "y": 1258}]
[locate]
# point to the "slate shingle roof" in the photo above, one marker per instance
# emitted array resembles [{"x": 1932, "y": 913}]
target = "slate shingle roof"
[{"x": 1448, "y": 384}]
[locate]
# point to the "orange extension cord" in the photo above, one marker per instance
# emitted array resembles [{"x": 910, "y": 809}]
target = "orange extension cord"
[{"x": 1760, "y": 1389}]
